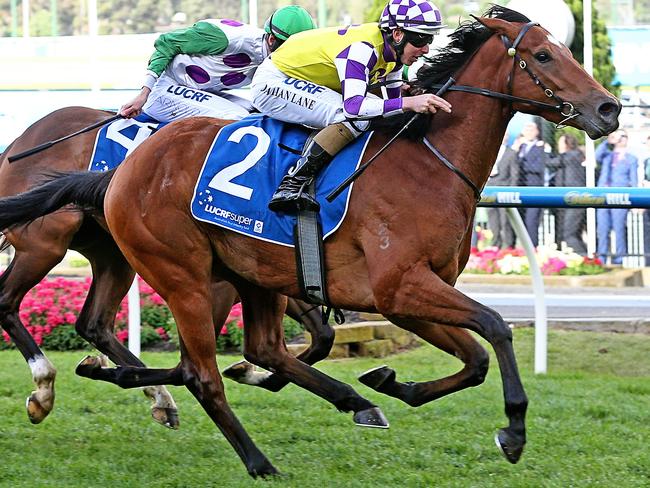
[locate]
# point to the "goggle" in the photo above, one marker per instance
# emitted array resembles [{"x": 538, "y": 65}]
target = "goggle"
[{"x": 418, "y": 40}]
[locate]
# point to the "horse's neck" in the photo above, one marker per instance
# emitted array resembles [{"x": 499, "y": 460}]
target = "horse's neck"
[{"x": 470, "y": 139}]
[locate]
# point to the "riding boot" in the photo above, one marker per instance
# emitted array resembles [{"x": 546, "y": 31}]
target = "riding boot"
[{"x": 292, "y": 195}]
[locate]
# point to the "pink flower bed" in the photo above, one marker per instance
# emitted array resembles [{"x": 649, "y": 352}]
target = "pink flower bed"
[
  {"x": 57, "y": 302},
  {"x": 492, "y": 260}
]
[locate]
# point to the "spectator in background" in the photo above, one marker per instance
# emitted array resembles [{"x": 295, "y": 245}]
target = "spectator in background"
[
  {"x": 617, "y": 168},
  {"x": 504, "y": 173},
  {"x": 569, "y": 170},
  {"x": 531, "y": 156}
]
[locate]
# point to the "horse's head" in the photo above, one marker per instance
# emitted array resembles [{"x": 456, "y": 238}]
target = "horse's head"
[{"x": 544, "y": 72}]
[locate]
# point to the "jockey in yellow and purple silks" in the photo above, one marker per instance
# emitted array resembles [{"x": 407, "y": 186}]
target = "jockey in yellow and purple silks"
[
  {"x": 192, "y": 69},
  {"x": 321, "y": 79}
]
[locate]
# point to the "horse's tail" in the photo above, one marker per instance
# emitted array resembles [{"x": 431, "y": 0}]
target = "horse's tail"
[{"x": 81, "y": 188}]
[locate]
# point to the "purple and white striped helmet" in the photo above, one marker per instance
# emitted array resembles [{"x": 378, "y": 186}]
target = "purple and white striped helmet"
[{"x": 419, "y": 16}]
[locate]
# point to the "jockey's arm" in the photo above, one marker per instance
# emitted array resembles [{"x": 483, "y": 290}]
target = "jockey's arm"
[
  {"x": 394, "y": 83},
  {"x": 203, "y": 38},
  {"x": 354, "y": 65}
]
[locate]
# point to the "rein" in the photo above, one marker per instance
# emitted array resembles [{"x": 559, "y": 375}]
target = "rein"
[
  {"x": 561, "y": 106},
  {"x": 565, "y": 108}
]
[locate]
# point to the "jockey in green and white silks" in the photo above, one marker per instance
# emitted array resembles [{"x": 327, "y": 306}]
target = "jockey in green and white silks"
[
  {"x": 192, "y": 69},
  {"x": 322, "y": 79}
]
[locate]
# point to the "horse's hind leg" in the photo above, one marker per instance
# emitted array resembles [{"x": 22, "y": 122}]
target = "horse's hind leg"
[
  {"x": 264, "y": 345},
  {"x": 27, "y": 268},
  {"x": 452, "y": 340},
  {"x": 322, "y": 339},
  {"x": 112, "y": 277}
]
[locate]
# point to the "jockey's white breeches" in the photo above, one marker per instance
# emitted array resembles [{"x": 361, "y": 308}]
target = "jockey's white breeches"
[
  {"x": 297, "y": 101},
  {"x": 169, "y": 101}
]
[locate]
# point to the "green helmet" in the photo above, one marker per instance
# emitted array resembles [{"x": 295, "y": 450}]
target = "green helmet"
[{"x": 287, "y": 21}]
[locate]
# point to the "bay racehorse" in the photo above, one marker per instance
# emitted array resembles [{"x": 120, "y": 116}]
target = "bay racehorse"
[
  {"x": 399, "y": 251},
  {"x": 42, "y": 245}
]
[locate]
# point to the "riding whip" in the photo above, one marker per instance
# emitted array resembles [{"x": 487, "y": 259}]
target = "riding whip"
[
  {"x": 337, "y": 191},
  {"x": 48, "y": 144}
]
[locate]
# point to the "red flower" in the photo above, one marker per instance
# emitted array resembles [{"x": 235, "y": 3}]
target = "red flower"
[
  {"x": 122, "y": 335},
  {"x": 162, "y": 333}
]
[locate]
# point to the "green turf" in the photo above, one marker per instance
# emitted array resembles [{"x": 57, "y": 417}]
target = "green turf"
[{"x": 588, "y": 425}]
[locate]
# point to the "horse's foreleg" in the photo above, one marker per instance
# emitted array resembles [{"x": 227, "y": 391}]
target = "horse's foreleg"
[
  {"x": 112, "y": 277},
  {"x": 423, "y": 295},
  {"x": 452, "y": 340},
  {"x": 25, "y": 271},
  {"x": 264, "y": 345},
  {"x": 201, "y": 376},
  {"x": 322, "y": 339}
]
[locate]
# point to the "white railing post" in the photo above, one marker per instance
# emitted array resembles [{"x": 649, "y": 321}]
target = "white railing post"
[
  {"x": 541, "y": 325},
  {"x": 134, "y": 317}
]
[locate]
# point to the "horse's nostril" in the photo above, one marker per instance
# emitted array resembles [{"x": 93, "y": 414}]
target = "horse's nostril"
[{"x": 609, "y": 109}]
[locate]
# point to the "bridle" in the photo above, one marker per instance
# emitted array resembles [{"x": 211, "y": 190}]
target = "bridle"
[{"x": 566, "y": 109}]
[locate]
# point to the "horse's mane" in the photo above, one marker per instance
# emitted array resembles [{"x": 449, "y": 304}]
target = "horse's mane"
[{"x": 464, "y": 42}]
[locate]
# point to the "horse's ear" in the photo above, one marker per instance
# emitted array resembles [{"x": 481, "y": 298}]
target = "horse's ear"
[{"x": 498, "y": 26}]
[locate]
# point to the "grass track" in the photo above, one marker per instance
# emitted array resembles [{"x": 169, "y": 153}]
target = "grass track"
[{"x": 588, "y": 425}]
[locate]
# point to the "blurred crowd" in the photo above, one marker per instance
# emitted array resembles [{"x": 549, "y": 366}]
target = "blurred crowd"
[{"x": 529, "y": 161}]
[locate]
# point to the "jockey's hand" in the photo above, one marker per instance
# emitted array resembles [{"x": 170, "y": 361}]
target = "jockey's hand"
[
  {"x": 424, "y": 103},
  {"x": 134, "y": 107}
]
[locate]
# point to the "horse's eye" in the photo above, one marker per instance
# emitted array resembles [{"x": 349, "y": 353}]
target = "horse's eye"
[{"x": 543, "y": 57}]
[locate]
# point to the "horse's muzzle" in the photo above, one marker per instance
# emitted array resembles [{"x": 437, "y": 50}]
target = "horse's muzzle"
[{"x": 602, "y": 119}]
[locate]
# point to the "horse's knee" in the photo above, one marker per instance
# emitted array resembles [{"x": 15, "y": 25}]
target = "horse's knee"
[
  {"x": 7, "y": 307},
  {"x": 263, "y": 357},
  {"x": 94, "y": 332},
  {"x": 478, "y": 366},
  {"x": 494, "y": 327},
  {"x": 322, "y": 343},
  {"x": 199, "y": 382}
]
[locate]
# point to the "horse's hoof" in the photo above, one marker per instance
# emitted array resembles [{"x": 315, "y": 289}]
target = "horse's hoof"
[
  {"x": 245, "y": 373},
  {"x": 371, "y": 417},
  {"x": 377, "y": 377},
  {"x": 87, "y": 365},
  {"x": 265, "y": 470},
  {"x": 239, "y": 371},
  {"x": 166, "y": 416},
  {"x": 509, "y": 445},
  {"x": 35, "y": 410}
]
